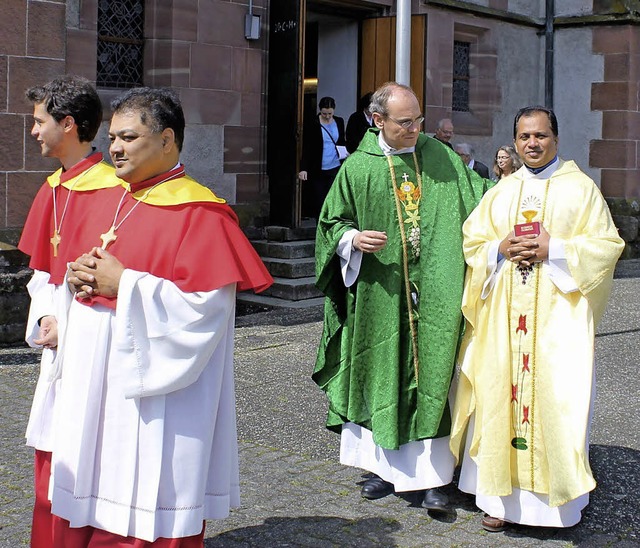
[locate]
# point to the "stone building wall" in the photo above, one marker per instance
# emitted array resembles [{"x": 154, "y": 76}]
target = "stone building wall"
[
  {"x": 196, "y": 47},
  {"x": 32, "y": 51},
  {"x": 617, "y": 98}
]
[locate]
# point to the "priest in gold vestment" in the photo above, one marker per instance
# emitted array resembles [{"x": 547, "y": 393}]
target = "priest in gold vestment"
[{"x": 541, "y": 249}]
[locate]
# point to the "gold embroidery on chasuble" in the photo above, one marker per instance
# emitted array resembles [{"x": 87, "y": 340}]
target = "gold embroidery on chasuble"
[
  {"x": 407, "y": 195},
  {"x": 523, "y": 306}
]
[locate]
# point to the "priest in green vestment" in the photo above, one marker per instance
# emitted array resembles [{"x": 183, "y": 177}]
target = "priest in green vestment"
[{"x": 389, "y": 260}]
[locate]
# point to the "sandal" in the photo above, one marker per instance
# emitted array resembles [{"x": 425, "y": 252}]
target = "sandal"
[{"x": 493, "y": 525}]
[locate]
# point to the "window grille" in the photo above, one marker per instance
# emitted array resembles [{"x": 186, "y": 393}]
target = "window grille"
[
  {"x": 461, "y": 62},
  {"x": 120, "y": 43}
]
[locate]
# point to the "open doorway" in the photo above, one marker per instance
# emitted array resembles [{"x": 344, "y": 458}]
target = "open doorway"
[
  {"x": 314, "y": 52},
  {"x": 330, "y": 70}
]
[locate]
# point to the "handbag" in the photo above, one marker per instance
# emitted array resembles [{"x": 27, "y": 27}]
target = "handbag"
[{"x": 340, "y": 149}]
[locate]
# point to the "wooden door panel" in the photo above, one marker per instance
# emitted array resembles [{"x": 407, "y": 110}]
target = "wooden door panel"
[{"x": 378, "y": 53}]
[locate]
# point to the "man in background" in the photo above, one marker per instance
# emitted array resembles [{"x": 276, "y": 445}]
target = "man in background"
[
  {"x": 444, "y": 132},
  {"x": 359, "y": 122},
  {"x": 466, "y": 152}
]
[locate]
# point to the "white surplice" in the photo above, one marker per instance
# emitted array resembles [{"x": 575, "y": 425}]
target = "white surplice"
[
  {"x": 46, "y": 300},
  {"x": 146, "y": 441}
]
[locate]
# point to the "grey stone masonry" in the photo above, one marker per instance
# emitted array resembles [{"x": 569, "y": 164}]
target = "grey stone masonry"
[
  {"x": 626, "y": 216},
  {"x": 14, "y": 299}
]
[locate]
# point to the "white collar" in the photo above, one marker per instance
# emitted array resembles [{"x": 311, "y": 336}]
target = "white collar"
[
  {"x": 388, "y": 150},
  {"x": 544, "y": 174}
]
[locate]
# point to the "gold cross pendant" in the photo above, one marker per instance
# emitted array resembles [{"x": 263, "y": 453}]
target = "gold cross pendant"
[
  {"x": 55, "y": 241},
  {"x": 108, "y": 237}
]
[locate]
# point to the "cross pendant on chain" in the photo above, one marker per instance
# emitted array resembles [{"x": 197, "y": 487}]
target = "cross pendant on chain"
[
  {"x": 55, "y": 241},
  {"x": 108, "y": 237}
]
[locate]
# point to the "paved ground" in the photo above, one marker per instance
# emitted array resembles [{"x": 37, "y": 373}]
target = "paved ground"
[{"x": 294, "y": 491}]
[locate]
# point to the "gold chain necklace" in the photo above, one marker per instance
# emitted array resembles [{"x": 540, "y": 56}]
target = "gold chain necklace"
[
  {"x": 415, "y": 242},
  {"x": 110, "y": 235},
  {"x": 57, "y": 227}
]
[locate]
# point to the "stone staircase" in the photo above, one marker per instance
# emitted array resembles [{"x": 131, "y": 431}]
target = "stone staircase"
[{"x": 288, "y": 254}]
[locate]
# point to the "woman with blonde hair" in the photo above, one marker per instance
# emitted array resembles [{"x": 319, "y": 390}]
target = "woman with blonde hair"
[{"x": 506, "y": 162}]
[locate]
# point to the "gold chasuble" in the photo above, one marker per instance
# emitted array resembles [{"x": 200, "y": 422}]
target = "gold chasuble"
[{"x": 527, "y": 358}]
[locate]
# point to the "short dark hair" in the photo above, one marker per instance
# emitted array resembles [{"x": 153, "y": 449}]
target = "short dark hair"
[
  {"x": 71, "y": 96},
  {"x": 528, "y": 111},
  {"x": 159, "y": 109},
  {"x": 327, "y": 102},
  {"x": 365, "y": 101}
]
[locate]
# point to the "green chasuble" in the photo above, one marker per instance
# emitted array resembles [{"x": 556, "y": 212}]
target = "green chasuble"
[{"x": 366, "y": 361}]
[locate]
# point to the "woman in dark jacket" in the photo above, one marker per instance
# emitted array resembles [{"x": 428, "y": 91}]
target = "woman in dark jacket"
[{"x": 320, "y": 158}]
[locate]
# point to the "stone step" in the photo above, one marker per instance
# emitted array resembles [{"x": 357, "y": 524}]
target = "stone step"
[
  {"x": 286, "y": 234},
  {"x": 285, "y": 250},
  {"x": 274, "y": 302},
  {"x": 297, "y": 289},
  {"x": 290, "y": 268}
]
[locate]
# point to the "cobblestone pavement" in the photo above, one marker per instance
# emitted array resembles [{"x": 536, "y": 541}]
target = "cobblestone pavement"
[{"x": 294, "y": 491}]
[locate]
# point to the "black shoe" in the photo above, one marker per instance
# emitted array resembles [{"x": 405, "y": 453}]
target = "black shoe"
[
  {"x": 376, "y": 488},
  {"x": 435, "y": 500}
]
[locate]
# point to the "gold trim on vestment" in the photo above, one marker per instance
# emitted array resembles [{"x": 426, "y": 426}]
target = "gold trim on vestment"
[
  {"x": 522, "y": 326},
  {"x": 414, "y": 219}
]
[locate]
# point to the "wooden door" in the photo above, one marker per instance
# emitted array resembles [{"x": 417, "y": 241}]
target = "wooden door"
[{"x": 378, "y": 54}]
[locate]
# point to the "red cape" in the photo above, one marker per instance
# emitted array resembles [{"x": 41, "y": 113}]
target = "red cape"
[
  {"x": 197, "y": 245},
  {"x": 39, "y": 226}
]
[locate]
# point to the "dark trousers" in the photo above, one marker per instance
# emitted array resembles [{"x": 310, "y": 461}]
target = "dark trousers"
[{"x": 321, "y": 184}]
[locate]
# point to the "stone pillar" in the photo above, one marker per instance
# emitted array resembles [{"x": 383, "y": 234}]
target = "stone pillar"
[
  {"x": 617, "y": 152},
  {"x": 617, "y": 98}
]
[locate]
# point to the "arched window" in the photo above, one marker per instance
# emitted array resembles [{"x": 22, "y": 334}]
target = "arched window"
[{"x": 120, "y": 43}]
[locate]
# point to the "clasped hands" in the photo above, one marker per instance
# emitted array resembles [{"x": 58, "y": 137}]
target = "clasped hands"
[
  {"x": 526, "y": 250},
  {"x": 95, "y": 273}
]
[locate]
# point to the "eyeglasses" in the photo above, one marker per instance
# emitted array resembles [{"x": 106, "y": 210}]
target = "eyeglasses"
[
  {"x": 407, "y": 123},
  {"x": 503, "y": 158}
]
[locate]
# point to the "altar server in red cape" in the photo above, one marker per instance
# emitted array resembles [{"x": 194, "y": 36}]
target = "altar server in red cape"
[
  {"x": 66, "y": 116},
  {"x": 145, "y": 444}
]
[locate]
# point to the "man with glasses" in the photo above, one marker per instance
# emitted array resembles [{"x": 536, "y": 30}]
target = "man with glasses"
[
  {"x": 444, "y": 132},
  {"x": 389, "y": 260}
]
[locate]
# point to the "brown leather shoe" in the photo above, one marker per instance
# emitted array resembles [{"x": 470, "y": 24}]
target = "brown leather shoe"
[{"x": 493, "y": 525}]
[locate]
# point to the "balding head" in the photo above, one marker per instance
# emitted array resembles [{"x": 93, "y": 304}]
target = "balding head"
[{"x": 444, "y": 131}]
